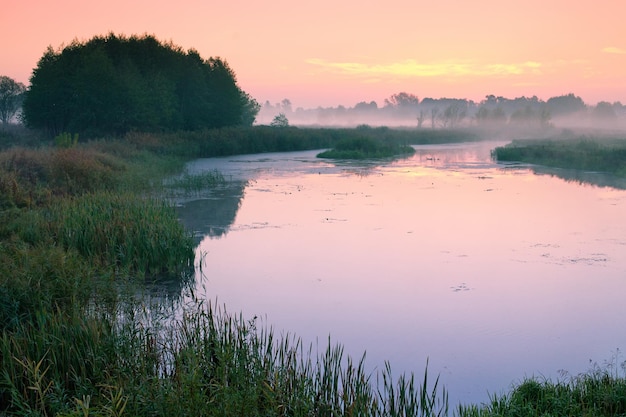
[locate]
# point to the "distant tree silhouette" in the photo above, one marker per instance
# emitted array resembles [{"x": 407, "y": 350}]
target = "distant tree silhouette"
[
  {"x": 604, "y": 111},
  {"x": 564, "y": 105},
  {"x": 402, "y": 100},
  {"x": 11, "y": 95},
  {"x": 280, "y": 120}
]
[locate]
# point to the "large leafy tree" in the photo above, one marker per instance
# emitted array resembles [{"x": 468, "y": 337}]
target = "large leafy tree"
[
  {"x": 11, "y": 94},
  {"x": 114, "y": 84}
]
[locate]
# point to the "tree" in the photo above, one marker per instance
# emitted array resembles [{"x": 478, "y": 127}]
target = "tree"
[
  {"x": 420, "y": 118},
  {"x": 280, "y": 120},
  {"x": 11, "y": 95},
  {"x": 285, "y": 105},
  {"x": 604, "y": 111},
  {"x": 453, "y": 114},
  {"x": 402, "y": 100},
  {"x": 114, "y": 84},
  {"x": 567, "y": 104},
  {"x": 251, "y": 109},
  {"x": 434, "y": 114}
]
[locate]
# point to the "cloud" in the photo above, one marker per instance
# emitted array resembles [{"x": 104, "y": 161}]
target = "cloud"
[
  {"x": 411, "y": 68},
  {"x": 614, "y": 50}
]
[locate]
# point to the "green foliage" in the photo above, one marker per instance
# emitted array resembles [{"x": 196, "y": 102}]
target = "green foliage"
[
  {"x": 113, "y": 84},
  {"x": 65, "y": 140},
  {"x": 598, "y": 392},
  {"x": 366, "y": 148},
  {"x": 606, "y": 155}
]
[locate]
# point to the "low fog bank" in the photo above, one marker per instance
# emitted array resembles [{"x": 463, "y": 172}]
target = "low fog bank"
[{"x": 407, "y": 110}]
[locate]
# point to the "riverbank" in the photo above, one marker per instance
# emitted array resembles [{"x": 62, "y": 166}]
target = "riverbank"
[
  {"x": 80, "y": 335},
  {"x": 587, "y": 153}
]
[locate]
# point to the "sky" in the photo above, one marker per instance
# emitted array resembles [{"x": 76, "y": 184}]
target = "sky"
[{"x": 341, "y": 52}]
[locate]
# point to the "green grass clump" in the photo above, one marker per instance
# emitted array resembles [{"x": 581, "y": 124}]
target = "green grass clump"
[
  {"x": 589, "y": 154},
  {"x": 600, "y": 392},
  {"x": 366, "y": 148}
]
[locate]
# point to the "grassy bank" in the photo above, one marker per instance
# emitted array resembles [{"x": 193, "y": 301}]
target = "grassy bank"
[
  {"x": 583, "y": 153},
  {"x": 82, "y": 229},
  {"x": 366, "y": 148}
]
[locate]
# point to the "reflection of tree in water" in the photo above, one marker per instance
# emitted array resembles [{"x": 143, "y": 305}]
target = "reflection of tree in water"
[
  {"x": 167, "y": 289},
  {"x": 213, "y": 214},
  {"x": 600, "y": 179}
]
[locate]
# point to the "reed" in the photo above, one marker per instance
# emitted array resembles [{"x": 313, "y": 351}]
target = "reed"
[
  {"x": 109, "y": 229},
  {"x": 207, "y": 363},
  {"x": 195, "y": 183}
]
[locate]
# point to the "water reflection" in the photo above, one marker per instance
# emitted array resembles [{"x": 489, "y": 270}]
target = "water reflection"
[
  {"x": 600, "y": 179},
  {"x": 213, "y": 214},
  {"x": 492, "y": 273}
]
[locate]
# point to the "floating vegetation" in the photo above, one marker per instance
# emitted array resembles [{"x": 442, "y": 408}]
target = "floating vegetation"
[{"x": 366, "y": 148}]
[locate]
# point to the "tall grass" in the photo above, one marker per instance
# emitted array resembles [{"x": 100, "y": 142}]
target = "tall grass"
[
  {"x": 207, "y": 363},
  {"x": 109, "y": 229},
  {"x": 599, "y": 392}
]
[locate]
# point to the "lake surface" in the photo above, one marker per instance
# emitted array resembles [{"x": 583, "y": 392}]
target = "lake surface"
[{"x": 491, "y": 272}]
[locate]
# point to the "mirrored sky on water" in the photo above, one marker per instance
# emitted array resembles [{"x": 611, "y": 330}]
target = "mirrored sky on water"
[{"x": 490, "y": 272}]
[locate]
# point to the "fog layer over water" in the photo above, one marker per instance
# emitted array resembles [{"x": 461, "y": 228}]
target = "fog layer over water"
[{"x": 492, "y": 272}]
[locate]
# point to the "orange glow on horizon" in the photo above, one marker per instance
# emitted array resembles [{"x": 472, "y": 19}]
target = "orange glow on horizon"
[{"x": 328, "y": 54}]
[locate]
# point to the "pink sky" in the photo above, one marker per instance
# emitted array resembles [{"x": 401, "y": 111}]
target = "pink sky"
[{"x": 334, "y": 52}]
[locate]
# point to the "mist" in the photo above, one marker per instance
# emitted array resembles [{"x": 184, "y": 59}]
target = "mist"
[{"x": 492, "y": 113}]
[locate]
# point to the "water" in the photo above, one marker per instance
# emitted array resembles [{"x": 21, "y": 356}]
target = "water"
[{"x": 491, "y": 272}]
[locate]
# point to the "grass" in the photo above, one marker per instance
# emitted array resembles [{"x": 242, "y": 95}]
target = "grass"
[
  {"x": 207, "y": 363},
  {"x": 366, "y": 148},
  {"x": 83, "y": 227},
  {"x": 195, "y": 183},
  {"x": 111, "y": 230},
  {"x": 583, "y": 153},
  {"x": 599, "y": 392}
]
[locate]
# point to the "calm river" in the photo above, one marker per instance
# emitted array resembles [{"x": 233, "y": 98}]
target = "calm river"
[{"x": 491, "y": 272}]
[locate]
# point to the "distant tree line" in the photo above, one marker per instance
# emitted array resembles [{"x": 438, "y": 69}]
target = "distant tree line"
[
  {"x": 494, "y": 111},
  {"x": 114, "y": 84}
]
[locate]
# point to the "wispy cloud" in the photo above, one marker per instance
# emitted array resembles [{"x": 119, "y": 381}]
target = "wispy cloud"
[
  {"x": 412, "y": 68},
  {"x": 614, "y": 50}
]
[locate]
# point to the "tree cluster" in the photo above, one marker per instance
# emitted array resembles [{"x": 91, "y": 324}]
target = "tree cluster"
[
  {"x": 114, "y": 84},
  {"x": 405, "y": 109}
]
